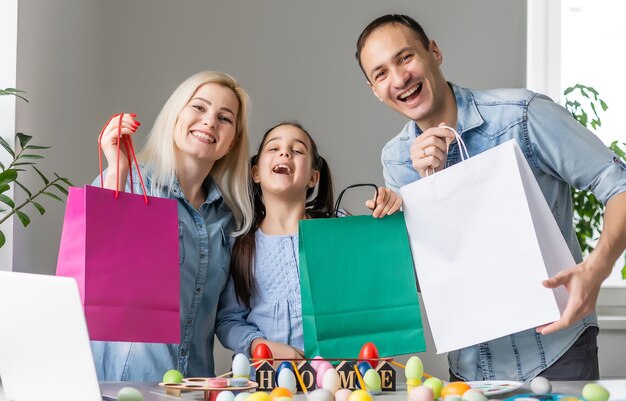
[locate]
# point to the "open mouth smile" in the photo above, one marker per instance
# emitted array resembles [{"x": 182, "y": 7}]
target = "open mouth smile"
[
  {"x": 282, "y": 169},
  {"x": 410, "y": 93},
  {"x": 204, "y": 137}
]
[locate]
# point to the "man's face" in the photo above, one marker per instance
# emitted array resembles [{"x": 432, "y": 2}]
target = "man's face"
[{"x": 404, "y": 74}]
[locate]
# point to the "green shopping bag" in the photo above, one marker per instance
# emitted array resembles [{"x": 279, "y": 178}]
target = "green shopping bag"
[{"x": 358, "y": 285}]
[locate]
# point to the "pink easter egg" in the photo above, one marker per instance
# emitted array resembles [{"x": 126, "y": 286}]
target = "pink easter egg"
[
  {"x": 421, "y": 393},
  {"x": 321, "y": 369},
  {"x": 316, "y": 361}
]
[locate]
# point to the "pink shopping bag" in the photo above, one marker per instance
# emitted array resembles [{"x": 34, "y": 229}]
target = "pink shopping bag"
[{"x": 122, "y": 249}]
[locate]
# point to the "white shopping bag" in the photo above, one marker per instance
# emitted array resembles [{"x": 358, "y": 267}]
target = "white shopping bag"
[{"x": 483, "y": 238}]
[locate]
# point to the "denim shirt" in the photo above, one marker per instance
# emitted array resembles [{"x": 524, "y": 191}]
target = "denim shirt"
[
  {"x": 561, "y": 153},
  {"x": 204, "y": 268},
  {"x": 276, "y": 308}
]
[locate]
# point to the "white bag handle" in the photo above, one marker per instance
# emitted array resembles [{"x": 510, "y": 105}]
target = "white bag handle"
[{"x": 462, "y": 147}]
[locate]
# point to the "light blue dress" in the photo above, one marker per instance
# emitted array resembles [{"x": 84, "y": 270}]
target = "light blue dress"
[{"x": 276, "y": 309}]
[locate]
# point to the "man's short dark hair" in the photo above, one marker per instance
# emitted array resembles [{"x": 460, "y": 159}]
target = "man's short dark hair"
[{"x": 390, "y": 19}]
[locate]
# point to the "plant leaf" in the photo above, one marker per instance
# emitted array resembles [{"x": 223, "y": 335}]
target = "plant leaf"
[
  {"x": 3, "y": 240},
  {"x": 8, "y": 201},
  {"x": 36, "y": 147},
  {"x": 4, "y": 187},
  {"x": 30, "y": 195},
  {"x": 23, "y": 163},
  {"x": 39, "y": 208},
  {"x": 43, "y": 177},
  {"x": 23, "y": 218},
  {"x": 23, "y": 138},
  {"x": 50, "y": 194},
  {"x": 8, "y": 176},
  {"x": 60, "y": 188},
  {"x": 6, "y": 145},
  {"x": 30, "y": 156}
]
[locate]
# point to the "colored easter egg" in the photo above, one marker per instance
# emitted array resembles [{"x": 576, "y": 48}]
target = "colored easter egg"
[
  {"x": 225, "y": 396},
  {"x": 241, "y": 366},
  {"x": 343, "y": 394},
  {"x": 595, "y": 392},
  {"x": 321, "y": 370},
  {"x": 321, "y": 394},
  {"x": 371, "y": 378},
  {"x": 414, "y": 368},
  {"x": 421, "y": 393},
  {"x": 331, "y": 381},
  {"x": 281, "y": 367},
  {"x": 259, "y": 396},
  {"x": 280, "y": 392},
  {"x": 540, "y": 385},
  {"x": 369, "y": 352},
  {"x": 287, "y": 379},
  {"x": 435, "y": 384},
  {"x": 453, "y": 397},
  {"x": 454, "y": 388},
  {"x": 360, "y": 395},
  {"x": 242, "y": 396},
  {"x": 129, "y": 394},
  {"x": 363, "y": 367},
  {"x": 262, "y": 351},
  {"x": 315, "y": 362},
  {"x": 172, "y": 376},
  {"x": 473, "y": 395},
  {"x": 284, "y": 399}
]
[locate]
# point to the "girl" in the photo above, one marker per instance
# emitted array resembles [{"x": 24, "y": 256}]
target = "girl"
[
  {"x": 262, "y": 300},
  {"x": 197, "y": 154}
]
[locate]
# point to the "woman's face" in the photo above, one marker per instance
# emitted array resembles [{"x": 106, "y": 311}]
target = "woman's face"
[
  {"x": 285, "y": 163},
  {"x": 206, "y": 127}
]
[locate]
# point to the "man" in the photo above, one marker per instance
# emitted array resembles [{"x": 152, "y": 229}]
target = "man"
[{"x": 402, "y": 66}]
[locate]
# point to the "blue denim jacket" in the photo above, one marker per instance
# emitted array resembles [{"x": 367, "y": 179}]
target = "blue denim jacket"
[
  {"x": 276, "y": 308},
  {"x": 561, "y": 153},
  {"x": 204, "y": 268}
]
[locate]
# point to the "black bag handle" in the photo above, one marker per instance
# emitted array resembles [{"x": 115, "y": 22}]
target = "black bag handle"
[{"x": 347, "y": 188}]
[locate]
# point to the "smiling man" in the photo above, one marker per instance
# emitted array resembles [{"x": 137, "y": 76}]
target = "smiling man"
[{"x": 402, "y": 67}]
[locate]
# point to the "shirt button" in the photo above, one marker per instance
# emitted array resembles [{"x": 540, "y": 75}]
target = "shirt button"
[
  {"x": 189, "y": 321},
  {"x": 201, "y": 256},
  {"x": 183, "y": 352},
  {"x": 198, "y": 289}
]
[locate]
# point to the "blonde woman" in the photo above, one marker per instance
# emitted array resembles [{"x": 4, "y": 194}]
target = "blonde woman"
[{"x": 197, "y": 154}]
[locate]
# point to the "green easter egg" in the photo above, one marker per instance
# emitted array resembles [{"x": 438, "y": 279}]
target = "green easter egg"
[
  {"x": 435, "y": 384},
  {"x": 414, "y": 368},
  {"x": 371, "y": 378},
  {"x": 129, "y": 394},
  {"x": 172, "y": 376},
  {"x": 595, "y": 392}
]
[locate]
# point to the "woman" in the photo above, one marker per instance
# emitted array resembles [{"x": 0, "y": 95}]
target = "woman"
[{"x": 197, "y": 154}]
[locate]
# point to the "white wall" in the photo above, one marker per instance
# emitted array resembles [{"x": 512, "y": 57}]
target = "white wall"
[
  {"x": 8, "y": 66},
  {"x": 82, "y": 61}
]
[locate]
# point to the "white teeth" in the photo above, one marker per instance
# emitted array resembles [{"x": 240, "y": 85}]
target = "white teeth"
[
  {"x": 282, "y": 169},
  {"x": 203, "y": 136},
  {"x": 410, "y": 92}
]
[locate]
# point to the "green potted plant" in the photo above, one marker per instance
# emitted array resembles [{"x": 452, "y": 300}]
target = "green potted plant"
[
  {"x": 24, "y": 159},
  {"x": 588, "y": 210}
]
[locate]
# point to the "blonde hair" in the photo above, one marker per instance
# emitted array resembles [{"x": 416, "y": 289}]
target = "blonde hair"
[{"x": 230, "y": 173}]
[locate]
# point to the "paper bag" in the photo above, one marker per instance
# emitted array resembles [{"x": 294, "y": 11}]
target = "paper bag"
[{"x": 483, "y": 238}]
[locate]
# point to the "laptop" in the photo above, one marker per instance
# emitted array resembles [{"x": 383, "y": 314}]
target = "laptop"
[{"x": 44, "y": 344}]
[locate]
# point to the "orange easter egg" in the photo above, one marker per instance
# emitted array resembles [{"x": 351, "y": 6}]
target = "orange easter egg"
[
  {"x": 454, "y": 388},
  {"x": 280, "y": 392}
]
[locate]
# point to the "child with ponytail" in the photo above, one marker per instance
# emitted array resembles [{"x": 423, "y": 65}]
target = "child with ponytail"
[{"x": 291, "y": 182}]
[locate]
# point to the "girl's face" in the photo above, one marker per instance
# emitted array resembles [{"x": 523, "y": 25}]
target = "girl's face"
[
  {"x": 285, "y": 164},
  {"x": 206, "y": 127}
]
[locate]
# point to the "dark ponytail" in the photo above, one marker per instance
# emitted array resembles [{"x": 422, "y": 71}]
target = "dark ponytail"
[{"x": 244, "y": 249}]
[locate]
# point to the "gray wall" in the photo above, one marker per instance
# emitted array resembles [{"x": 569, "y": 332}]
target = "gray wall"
[{"x": 82, "y": 61}]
